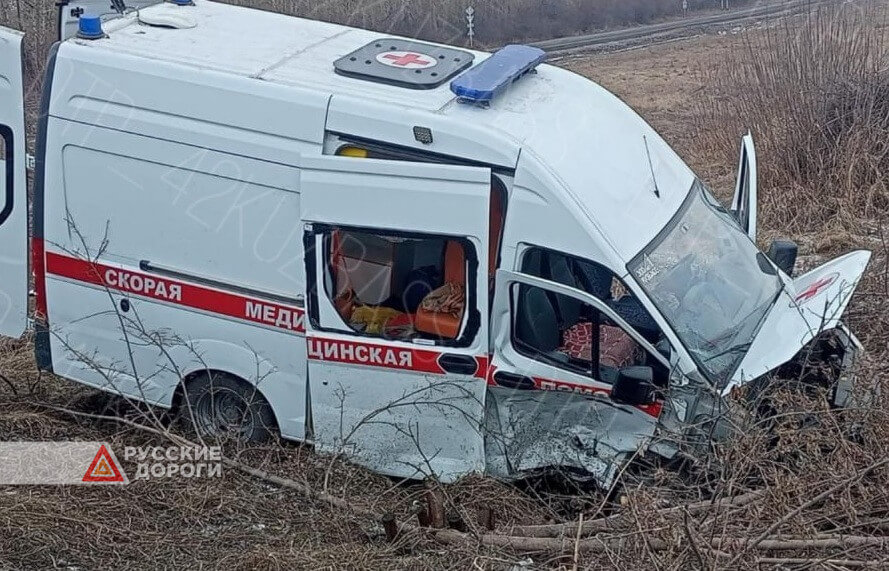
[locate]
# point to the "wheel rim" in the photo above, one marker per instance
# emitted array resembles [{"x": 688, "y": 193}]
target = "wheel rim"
[{"x": 223, "y": 412}]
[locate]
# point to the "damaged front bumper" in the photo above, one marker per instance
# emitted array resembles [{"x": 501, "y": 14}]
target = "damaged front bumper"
[{"x": 853, "y": 351}]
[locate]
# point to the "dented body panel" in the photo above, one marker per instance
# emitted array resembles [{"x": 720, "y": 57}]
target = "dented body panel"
[{"x": 531, "y": 432}]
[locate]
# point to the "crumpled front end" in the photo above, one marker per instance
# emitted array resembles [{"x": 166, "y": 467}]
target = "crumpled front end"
[
  {"x": 852, "y": 353},
  {"x": 696, "y": 415},
  {"x": 588, "y": 437},
  {"x": 827, "y": 362}
]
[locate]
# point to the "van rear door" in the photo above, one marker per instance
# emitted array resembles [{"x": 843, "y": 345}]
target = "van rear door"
[{"x": 13, "y": 189}]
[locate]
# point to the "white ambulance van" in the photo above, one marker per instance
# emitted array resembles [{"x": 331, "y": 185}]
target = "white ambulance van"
[{"x": 432, "y": 260}]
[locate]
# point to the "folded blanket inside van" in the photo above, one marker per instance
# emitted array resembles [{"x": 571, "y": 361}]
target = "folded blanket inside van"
[{"x": 449, "y": 298}]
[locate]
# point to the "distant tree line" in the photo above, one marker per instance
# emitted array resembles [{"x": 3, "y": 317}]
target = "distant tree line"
[{"x": 496, "y": 21}]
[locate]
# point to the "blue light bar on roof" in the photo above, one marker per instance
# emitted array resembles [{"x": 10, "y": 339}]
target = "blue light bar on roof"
[{"x": 490, "y": 78}]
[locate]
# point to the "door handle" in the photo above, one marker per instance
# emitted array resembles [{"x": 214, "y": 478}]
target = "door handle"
[
  {"x": 513, "y": 380},
  {"x": 458, "y": 364}
]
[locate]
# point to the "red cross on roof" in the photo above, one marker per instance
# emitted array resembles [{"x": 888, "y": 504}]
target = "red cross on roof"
[{"x": 407, "y": 59}]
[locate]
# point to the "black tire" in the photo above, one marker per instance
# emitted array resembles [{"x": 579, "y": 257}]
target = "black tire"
[{"x": 222, "y": 407}]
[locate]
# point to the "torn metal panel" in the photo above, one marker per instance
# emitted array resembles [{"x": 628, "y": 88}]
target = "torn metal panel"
[
  {"x": 846, "y": 381},
  {"x": 528, "y": 431}
]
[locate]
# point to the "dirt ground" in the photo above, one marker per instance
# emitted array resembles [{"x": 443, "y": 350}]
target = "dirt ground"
[{"x": 242, "y": 522}]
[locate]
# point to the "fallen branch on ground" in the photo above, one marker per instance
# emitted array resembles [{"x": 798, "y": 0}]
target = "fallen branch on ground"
[
  {"x": 880, "y": 564},
  {"x": 9, "y": 384},
  {"x": 603, "y": 544},
  {"x": 822, "y": 496},
  {"x": 563, "y": 544},
  {"x": 607, "y": 523}
]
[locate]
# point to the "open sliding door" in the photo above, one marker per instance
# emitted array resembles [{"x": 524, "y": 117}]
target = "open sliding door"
[{"x": 396, "y": 263}]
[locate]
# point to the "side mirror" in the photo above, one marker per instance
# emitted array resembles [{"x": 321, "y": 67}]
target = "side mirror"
[
  {"x": 634, "y": 386},
  {"x": 783, "y": 253}
]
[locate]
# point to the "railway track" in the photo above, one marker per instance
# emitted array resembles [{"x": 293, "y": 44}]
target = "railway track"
[{"x": 673, "y": 27}]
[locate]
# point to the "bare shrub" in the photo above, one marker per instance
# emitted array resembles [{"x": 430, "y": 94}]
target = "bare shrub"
[
  {"x": 815, "y": 93},
  {"x": 497, "y": 21}
]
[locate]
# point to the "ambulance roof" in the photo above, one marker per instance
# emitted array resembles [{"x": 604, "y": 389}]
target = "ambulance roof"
[
  {"x": 263, "y": 45},
  {"x": 620, "y": 173}
]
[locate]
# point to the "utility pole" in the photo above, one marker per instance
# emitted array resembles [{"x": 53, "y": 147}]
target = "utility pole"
[{"x": 470, "y": 24}]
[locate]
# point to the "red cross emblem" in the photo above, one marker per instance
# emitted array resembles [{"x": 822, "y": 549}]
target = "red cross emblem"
[
  {"x": 406, "y": 60},
  {"x": 816, "y": 287}
]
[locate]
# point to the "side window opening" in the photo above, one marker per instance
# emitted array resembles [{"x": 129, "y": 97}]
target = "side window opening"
[
  {"x": 497, "y": 212},
  {"x": 398, "y": 286},
  {"x": 587, "y": 345},
  {"x": 595, "y": 279},
  {"x": 566, "y": 332}
]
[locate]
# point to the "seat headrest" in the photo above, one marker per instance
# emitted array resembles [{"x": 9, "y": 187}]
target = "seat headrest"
[
  {"x": 455, "y": 263},
  {"x": 597, "y": 281},
  {"x": 568, "y": 308},
  {"x": 536, "y": 324}
]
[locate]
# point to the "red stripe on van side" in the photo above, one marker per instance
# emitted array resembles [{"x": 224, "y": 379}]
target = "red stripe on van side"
[
  {"x": 284, "y": 317},
  {"x": 485, "y": 369},
  {"x": 38, "y": 266},
  {"x": 350, "y": 352},
  {"x": 374, "y": 355},
  {"x": 552, "y": 385},
  {"x": 255, "y": 310}
]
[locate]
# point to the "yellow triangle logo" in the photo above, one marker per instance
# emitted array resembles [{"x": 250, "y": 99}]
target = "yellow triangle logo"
[{"x": 102, "y": 470}]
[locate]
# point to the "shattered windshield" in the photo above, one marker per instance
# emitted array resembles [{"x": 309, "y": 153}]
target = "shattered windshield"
[{"x": 710, "y": 282}]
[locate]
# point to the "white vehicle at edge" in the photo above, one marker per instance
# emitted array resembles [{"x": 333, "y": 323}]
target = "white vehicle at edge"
[{"x": 434, "y": 260}]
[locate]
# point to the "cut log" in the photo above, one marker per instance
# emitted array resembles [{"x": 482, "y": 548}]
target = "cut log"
[{"x": 608, "y": 523}]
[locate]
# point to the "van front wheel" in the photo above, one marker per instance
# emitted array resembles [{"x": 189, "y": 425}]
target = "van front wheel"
[{"x": 221, "y": 407}]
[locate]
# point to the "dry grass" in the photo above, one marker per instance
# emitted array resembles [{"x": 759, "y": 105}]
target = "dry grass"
[{"x": 815, "y": 93}]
